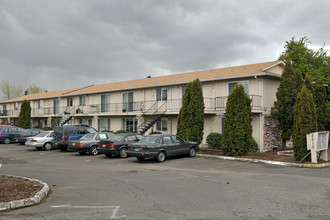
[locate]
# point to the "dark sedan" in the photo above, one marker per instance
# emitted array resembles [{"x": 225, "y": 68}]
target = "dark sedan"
[
  {"x": 89, "y": 143},
  {"x": 160, "y": 146},
  {"x": 21, "y": 137},
  {"x": 117, "y": 145}
]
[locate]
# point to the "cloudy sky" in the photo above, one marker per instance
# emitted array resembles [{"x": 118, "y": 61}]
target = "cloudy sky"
[{"x": 64, "y": 44}]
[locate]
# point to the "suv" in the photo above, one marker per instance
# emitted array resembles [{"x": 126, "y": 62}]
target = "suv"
[
  {"x": 63, "y": 134},
  {"x": 7, "y": 133}
]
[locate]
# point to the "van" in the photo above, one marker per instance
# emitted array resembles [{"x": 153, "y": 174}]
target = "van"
[{"x": 63, "y": 134}]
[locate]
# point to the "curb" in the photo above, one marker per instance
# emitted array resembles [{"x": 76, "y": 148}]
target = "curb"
[
  {"x": 36, "y": 199},
  {"x": 278, "y": 163}
]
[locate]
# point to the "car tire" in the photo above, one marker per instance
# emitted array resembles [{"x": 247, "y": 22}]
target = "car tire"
[
  {"x": 192, "y": 152},
  {"x": 21, "y": 143},
  {"x": 82, "y": 153},
  {"x": 140, "y": 158},
  {"x": 123, "y": 153},
  {"x": 161, "y": 157},
  {"x": 108, "y": 155},
  {"x": 6, "y": 141},
  {"x": 93, "y": 151},
  {"x": 39, "y": 148},
  {"x": 47, "y": 146}
]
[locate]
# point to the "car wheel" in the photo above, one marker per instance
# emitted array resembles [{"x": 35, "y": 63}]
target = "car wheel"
[
  {"x": 93, "y": 151},
  {"x": 82, "y": 153},
  {"x": 123, "y": 153},
  {"x": 21, "y": 143},
  {"x": 192, "y": 152},
  {"x": 140, "y": 158},
  {"x": 161, "y": 156},
  {"x": 6, "y": 141},
  {"x": 47, "y": 146},
  {"x": 108, "y": 155},
  {"x": 39, "y": 148}
]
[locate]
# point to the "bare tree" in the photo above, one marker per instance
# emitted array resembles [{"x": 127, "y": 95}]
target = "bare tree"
[{"x": 9, "y": 91}]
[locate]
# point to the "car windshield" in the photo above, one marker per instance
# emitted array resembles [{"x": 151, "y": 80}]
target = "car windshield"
[
  {"x": 26, "y": 131},
  {"x": 149, "y": 139},
  {"x": 58, "y": 130},
  {"x": 117, "y": 138},
  {"x": 42, "y": 134},
  {"x": 87, "y": 136}
]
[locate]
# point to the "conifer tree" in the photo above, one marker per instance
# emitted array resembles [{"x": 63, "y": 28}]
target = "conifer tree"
[
  {"x": 305, "y": 122},
  {"x": 24, "y": 115},
  {"x": 237, "y": 136},
  {"x": 286, "y": 95},
  {"x": 309, "y": 84},
  {"x": 322, "y": 111},
  {"x": 191, "y": 117}
]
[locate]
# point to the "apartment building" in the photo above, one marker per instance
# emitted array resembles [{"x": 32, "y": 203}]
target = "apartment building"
[{"x": 154, "y": 103}]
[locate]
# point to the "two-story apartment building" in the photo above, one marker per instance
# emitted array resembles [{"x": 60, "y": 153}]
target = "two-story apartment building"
[{"x": 126, "y": 105}]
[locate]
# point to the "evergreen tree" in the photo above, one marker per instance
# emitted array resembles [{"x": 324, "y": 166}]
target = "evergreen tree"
[
  {"x": 305, "y": 122},
  {"x": 309, "y": 84},
  {"x": 322, "y": 111},
  {"x": 286, "y": 95},
  {"x": 25, "y": 115},
  {"x": 191, "y": 117},
  {"x": 237, "y": 136}
]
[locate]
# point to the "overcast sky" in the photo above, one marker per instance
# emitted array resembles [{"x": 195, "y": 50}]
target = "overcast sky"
[{"x": 65, "y": 44}]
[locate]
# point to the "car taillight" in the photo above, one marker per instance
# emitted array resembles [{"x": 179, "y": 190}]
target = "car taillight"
[
  {"x": 34, "y": 140},
  {"x": 22, "y": 136},
  {"x": 110, "y": 145},
  {"x": 79, "y": 144},
  {"x": 146, "y": 148},
  {"x": 0, "y": 132},
  {"x": 70, "y": 143},
  {"x": 63, "y": 138}
]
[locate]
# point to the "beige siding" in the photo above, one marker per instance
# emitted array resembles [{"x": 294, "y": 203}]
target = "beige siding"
[{"x": 270, "y": 86}]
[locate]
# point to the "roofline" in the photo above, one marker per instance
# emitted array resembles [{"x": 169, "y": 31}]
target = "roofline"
[
  {"x": 268, "y": 67},
  {"x": 179, "y": 83}
]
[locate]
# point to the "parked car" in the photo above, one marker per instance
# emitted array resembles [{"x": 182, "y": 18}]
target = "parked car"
[
  {"x": 21, "y": 137},
  {"x": 89, "y": 143},
  {"x": 160, "y": 146},
  {"x": 64, "y": 134},
  {"x": 41, "y": 141},
  {"x": 7, "y": 133},
  {"x": 117, "y": 145}
]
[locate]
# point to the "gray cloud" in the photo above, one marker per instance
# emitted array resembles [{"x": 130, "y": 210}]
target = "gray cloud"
[{"x": 63, "y": 44}]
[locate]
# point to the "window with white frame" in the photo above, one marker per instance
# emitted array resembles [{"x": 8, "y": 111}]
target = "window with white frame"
[
  {"x": 40, "y": 104},
  {"x": 104, "y": 124},
  {"x": 245, "y": 84},
  {"x": 16, "y": 106},
  {"x": 82, "y": 100},
  {"x": 105, "y": 103},
  {"x": 162, "y": 124},
  {"x": 128, "y": 101},
  {"x": 69, "y": 101},
  {"x": 161, "y": 94}
]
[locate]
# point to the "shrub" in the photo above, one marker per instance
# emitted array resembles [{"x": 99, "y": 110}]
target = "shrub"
[
  {"x": 254, "y": 146},
  {"x": 214, "y": 140}
]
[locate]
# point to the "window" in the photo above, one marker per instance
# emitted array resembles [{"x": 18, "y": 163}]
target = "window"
[
  {"x": 15, "y": 106},
  {"x": 105, "y": 103},
  {"x": 130, "y": 138},
  {"x": 161, "y": 124},
  {"x": 129, "y": 124},
  {"x": 69, "y": 101},
  {"x": 80, "y": 131},
  {"x": 104, "y": 124},
  {"x": 232, "y": 85},
  {"x": 40, "y": 104},
  {"x": 82, "y": 100},
  {"x": 91, "y": 130},
  {"x": 176, "y": 139},
  {"x": 68, "y": 131},
  {"x": 167, "y": 140},
  {"x": 161, "y": 94},
  {"x": 139, "y": 137},
  {"x": 127, "y": 101},
  {"x": 56, "y": 106}
]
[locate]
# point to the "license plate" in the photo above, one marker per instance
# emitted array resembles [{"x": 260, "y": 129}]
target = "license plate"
[
  {"x": 104, "y": 145},
  {"x": 73, "y": 144},
  {"x": 136, "y": 149}
]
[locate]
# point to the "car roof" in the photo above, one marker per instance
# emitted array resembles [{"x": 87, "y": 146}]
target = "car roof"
[
  {"x": 160, "y": 135},
  {"x": 125, "y": 134}
]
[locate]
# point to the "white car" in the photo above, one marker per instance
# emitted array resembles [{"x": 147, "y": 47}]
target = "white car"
[{"x": 41, "y": 141}]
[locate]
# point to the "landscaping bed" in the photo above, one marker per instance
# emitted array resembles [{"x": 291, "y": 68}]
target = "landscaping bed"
[
  {"x": 13, "y": 188},
  {"x": 270, "y": 155}
]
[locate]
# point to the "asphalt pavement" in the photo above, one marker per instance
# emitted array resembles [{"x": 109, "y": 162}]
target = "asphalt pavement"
[{"x": 97, "y": 187}]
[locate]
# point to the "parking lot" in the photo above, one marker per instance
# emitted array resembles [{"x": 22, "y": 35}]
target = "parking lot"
[{"x": 97, "y": 187}]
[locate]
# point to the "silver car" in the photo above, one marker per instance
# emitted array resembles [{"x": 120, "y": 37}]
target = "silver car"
[{"x": 41, "y": 141}]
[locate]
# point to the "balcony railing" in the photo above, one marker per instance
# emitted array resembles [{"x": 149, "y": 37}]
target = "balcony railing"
[
  {"x": 220, "y": 102},
  {"x": 144, "y": 107}
]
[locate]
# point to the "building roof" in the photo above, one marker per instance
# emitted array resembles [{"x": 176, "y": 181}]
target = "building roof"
[{"x": 250, "y": 70}]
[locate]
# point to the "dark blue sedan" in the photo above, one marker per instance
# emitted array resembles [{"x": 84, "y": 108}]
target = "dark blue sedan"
[{"x": 160, "y": 146}]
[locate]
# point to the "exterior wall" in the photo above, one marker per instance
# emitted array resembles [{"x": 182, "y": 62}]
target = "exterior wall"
[
  {"x": 270, "y": 86},
  {"x": 276, "y": 69},
  {"x": 256, "y": 118}
]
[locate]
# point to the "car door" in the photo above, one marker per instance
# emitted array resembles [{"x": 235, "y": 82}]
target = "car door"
[
  {"x": 12, "y": 132},
  {"x": 168, "y": 146},
  {"x": 180, "y": 147}
]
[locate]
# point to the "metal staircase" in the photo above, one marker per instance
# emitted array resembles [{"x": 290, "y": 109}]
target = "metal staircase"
[
  {"x": 153, "y": 118},
  {"x": 67, "y": 115}
]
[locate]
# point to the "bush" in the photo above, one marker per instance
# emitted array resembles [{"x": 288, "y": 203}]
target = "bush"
[
  {"x": 254, "y": 146},
  {"x": 214, "y": 140},
  {"x": 155, "y": 132}
]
